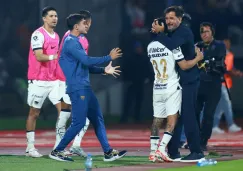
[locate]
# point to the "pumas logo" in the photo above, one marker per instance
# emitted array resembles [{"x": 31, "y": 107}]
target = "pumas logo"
[{"x": 82, "y": 97}]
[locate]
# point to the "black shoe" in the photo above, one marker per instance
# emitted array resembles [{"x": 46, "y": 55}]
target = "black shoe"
[
  {"x": 193, "y": 157},
  {"x": 176, "y": 157},
  {"x": 113, "y": 155},
  {"x": 60, "y": 156}
]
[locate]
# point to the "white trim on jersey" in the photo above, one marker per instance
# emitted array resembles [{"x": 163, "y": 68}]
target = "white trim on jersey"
[{"x": 177, "y": 54}]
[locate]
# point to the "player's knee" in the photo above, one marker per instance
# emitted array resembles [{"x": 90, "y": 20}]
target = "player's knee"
[
  {"x": 34, "y": 113},
  {"x": 170, "y": 127},
  {"x": 65, "y": 106}
]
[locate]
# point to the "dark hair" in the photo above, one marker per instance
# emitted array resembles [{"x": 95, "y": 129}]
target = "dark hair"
[
  {"x": 73, "y": 19},
  {"x": 179, "y": 11},
  {"x": 207, "y": 24},
  {"x": 86, "y": 14},
  {"x": 47, "y": 9}
]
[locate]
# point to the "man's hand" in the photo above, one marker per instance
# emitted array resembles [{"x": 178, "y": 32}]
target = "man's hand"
[
  {"x": 115, "y": 53},
  {"x": 236, "y": 72},
  {"x": 156, "y": 28},
  {"x": 109, "y": 69},
  {"x": 199, "y": 54}
]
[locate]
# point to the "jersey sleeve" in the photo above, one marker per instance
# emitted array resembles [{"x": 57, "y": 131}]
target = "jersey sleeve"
[
  {"x": 37, "y": 40},
  {"x": 177, "y": 54}
]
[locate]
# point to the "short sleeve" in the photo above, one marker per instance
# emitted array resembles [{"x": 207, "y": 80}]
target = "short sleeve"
[
  {"x": 177, "y": 54},
  {"x": 37, "y": 40}
]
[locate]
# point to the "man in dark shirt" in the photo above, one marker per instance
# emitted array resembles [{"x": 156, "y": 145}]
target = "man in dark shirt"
[
  {"x": 210, "y": 80},
  {"x": 180, "y": 35}
]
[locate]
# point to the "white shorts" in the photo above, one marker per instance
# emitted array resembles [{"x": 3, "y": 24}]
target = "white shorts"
[
  {"x": 38, "y": 91},
  {"x": 167, "y": 104},
  {"x": 63, "y": 96}
]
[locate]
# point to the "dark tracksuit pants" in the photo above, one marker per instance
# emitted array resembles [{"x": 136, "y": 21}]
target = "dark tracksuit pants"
[
  {"x": 208, "y": 97},
  {"x": 188, "y": 119},
  {"x": 85, "y": 104}
]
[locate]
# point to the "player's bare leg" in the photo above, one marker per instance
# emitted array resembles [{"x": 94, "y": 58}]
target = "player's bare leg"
[
  {"x": 58, "y": 107},
  {"x": 31, "y": 151},
  {"x": 154, "y": 138},
  {"x": 161, "y": 153}
]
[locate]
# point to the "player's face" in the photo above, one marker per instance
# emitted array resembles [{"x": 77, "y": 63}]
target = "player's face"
[
  {"x": 206, "y": 34},
  {"x": 172, "y": 21},
  {"x": 51, "y": 19},
  {"x": 83, "y": 26},
  {"x": 88, "y": 22}
]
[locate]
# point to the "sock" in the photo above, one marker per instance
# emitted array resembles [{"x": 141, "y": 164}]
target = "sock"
[
  {"x": 154, "y": 141},
  {"x": 165, "y": 140},
  {"x": 78, "y": 139},
  {"x": 30, "y": 135},
  {"x": 61, "y": 125}
]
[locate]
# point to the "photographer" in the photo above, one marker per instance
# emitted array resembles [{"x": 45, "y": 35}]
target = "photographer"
[
  {"x": 211, "y": 74},
  {"x": 179, "y": 35}
]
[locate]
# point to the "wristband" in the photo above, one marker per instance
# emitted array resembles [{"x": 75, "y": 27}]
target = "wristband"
[{"x": 51, "y": 57}]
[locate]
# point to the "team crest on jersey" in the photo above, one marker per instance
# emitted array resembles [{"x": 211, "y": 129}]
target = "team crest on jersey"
[
  {"x": 177, "y": 50},
  {"x": 35, "y": 38}
]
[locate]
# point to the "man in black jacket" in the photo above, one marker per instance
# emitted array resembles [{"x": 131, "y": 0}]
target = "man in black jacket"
[
  {"x": 179, "y": 35},
  {"x": 211, "y": 74}
]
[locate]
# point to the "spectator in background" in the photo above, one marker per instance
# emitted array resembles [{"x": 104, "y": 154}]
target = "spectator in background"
[
  {"x": 3, "y": 74},
  {"x": 135, "y": 63},
  {"x": 224, "y": 105}
]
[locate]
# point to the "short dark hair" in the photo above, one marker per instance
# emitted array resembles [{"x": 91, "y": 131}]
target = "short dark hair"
[
  {"x": 47, "y": 9},
  {"x": 86, "y": 14},
  {"x": 179, "y": 11},
  {"x": 73, "y": 19},
  {"x": 207, "y": 24}
]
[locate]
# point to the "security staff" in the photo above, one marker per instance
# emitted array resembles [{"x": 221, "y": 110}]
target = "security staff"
[{"x": 211, "y": 74}]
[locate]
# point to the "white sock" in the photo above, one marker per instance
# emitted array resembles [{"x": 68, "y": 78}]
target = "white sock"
[
  {"x": 154, "y": 141},
  {"x": 30, "y": 140},
  {"x": 78, "y": 139},
  {"x": 165, "y": 140},
  {"x": 61, "y": 126}
]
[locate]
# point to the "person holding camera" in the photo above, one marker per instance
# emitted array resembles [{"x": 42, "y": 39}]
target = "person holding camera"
[
  {"x": 211, "y": 74},
  {"x": 180, "y": 35}
]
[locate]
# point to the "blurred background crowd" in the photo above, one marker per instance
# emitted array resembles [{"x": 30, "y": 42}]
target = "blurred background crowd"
[{"x": 123, "y": 23}]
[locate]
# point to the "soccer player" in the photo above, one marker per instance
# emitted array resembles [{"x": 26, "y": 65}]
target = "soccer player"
[
  {"x": 167, "y": 94},
  {"x": 42, "y": 78},
  {"x": 75, "y": 65}
]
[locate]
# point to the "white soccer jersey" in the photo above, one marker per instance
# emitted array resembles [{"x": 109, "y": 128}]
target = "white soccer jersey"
[{"x": 163, "y": 61}]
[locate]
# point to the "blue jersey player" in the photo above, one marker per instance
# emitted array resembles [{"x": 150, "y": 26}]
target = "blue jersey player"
[{"x": 75, "y": 65}]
